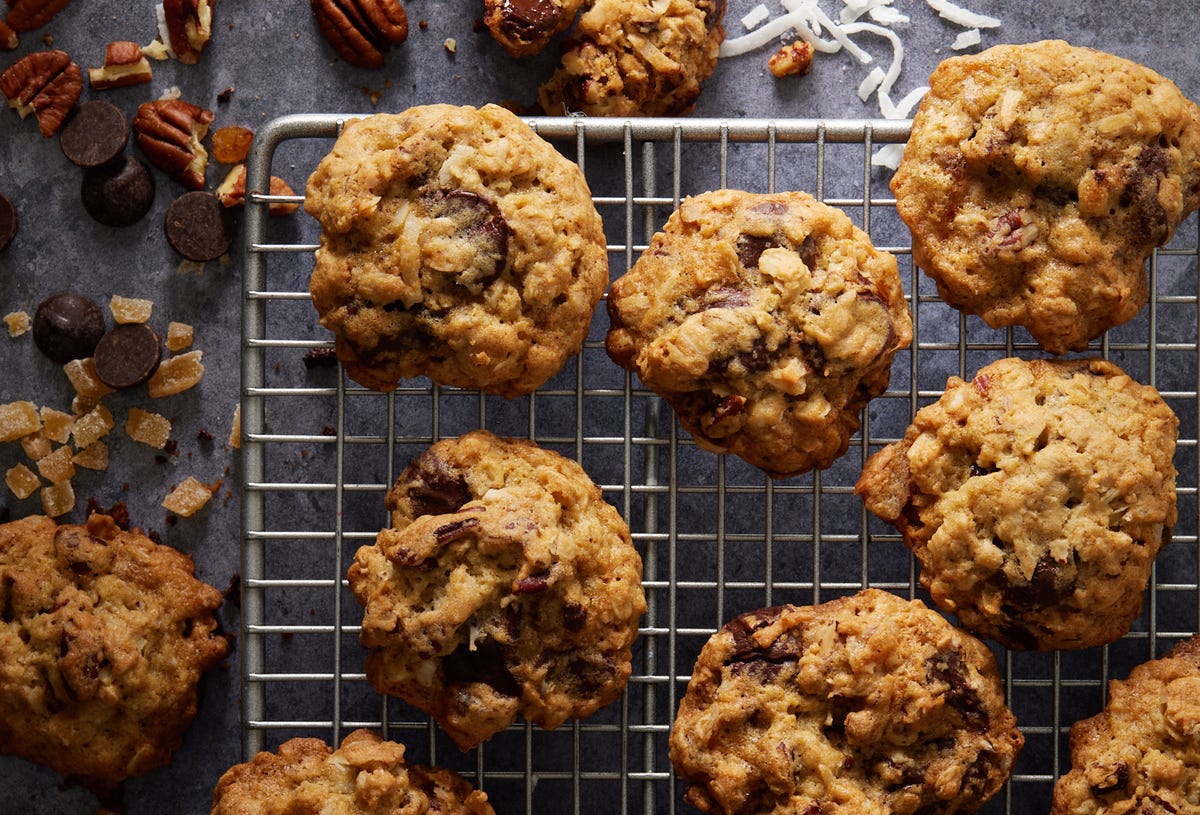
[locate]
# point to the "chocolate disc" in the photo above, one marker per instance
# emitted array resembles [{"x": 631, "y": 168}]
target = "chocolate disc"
[
  {"x": 119, "y": 194},
  {"x": 8, "y": 221},
  {"x": 128, "y": 355},
  {"x": 95, "y": 135},
  {"x": 198, "y": 226},
  {"x": 67, "y": 326}
]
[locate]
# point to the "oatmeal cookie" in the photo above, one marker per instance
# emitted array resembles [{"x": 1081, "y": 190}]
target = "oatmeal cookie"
[
  {"x": 365, "y": 776},
  {"x": 1139, "y": 754},
  {"x": 105, "y": 635},
  {"x": 505, "y": 585},
  {"x": 1037, "y": 180},
  {"x": 524, "y": 27},
  {"x": 865, "y": 705},
  {"x": 1036, "y": 497},
  {"x": 766, "y": 321},
  {"x": 455, "y": 243},
  {"x": 636, "y": 58}
]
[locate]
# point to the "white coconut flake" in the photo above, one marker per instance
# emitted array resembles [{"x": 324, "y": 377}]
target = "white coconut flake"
[
  {"x": 968, "y": 38},
  {"x": 870, "y": 83},
  {"x": 886, "y": 15},
  {"x": 842, "y": 35},
  {"x": 893, "y": 71},
  {"x": 960, "y": 16},
  {"x": 888, "y": 156},
  {"x": 901, "y": 109},
  {"x": 755, "y": 17}
]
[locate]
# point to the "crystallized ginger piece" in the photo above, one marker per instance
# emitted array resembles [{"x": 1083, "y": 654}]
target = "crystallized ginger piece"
[
  {"x": 148, "y": 428},
  {"x": 176, "y": 374},
  {"x": 179, "y": 336},
  {"x": 187, "y": 498},
  {"x": 22, "y": 481},
  {"x": 130, "y": 309},
  {"x": 56, "y": 425},
  {"x": 91, "y": 426},
  {"x": 17, "y": 322},
  {"x": 36, "y": 445},
  {"x": 82, "y": 373},
  {"x": 18, "y": 419},
  {"x": 93, "y": 457},
  {"x": 58, "y": 499},
  {"x": 57, "y": 467}
]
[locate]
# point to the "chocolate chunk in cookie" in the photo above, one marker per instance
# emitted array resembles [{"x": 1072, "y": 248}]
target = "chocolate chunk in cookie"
[
  {"x": 524, "y": 27},
  {"x": 119, "y": 194},
  {"x": 198, "y": 226},
  {"x": 1036, "y": 497},
  {"x": 868, "y": 703},
  {"x": 67, "y": 326},
  {"x": 128, "y": 355},
  {"x": 95, "y": 134}
]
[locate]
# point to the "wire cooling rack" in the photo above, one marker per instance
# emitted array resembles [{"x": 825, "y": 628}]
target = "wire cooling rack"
[{"x": 717, "y": 538}]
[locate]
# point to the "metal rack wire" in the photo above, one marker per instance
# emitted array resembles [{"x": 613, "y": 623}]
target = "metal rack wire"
[{"x": 717, "y": 538}]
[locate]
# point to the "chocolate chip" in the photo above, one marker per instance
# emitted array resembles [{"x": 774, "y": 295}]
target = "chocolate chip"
[
  {"x": 434, "y": 488},
  {"x": 528, "y": 19},
  {"x": 67, "y": 326},
  {"x": 1045, "y": 587},
  {"x": 751, "y": 247},
  {"x": 119, "y": 194},
  {"x": 723, "y": 297},
  {"x": 483, "y": 663},
  {"x": 8, "y": 221},
  {"x": 741, "y": 627},
  {"x": 95, "y": 134},
  {"x": 476, "y": 219},
  {"x": 574, "y": 616},
  {"x": 948, "y": 667},
  {"x": 198, "y": 226},
  {"x": 127, "y": 355}
]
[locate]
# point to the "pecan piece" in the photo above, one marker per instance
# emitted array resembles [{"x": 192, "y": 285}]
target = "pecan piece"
[
  {"x": 360, "y": 31},
  {"x": 8, "y": 38},
  {"x": 232, "y": 192},
  {"x": 169, "y": 133},
  {"x": 188, "y": 27},
  {"x": 124, "y": 65},
  {"x": 46, "y": 84},
  {"x": 26, "y": 15},
  {"x": 791, "y": 60}
]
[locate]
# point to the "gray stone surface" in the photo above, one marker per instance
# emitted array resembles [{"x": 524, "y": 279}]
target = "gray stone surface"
[{"x": 270, "y": 54}]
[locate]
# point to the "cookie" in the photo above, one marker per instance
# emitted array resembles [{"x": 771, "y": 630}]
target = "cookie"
[
  {"x": 455, "y": 244},
  {"x": 364, "y": 776},
  {"x": 105, "y": 636},
  {"x": 524, "y": 27},
  {"x": 1037, "y": 180},
  {"x": 1036, "y": 497},
  {"x": 636, "y": 58},
  {"x": 1139, "y": 754},
  {"x": 867, "y": 703},
  {"x": 505, "y": 586},
  {"x": 766, "y": 321}
]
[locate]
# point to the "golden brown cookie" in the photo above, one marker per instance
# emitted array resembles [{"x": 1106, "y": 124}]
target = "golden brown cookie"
[
  {"x": 1036, "y": 497},
  {"x": 1037, "y": 180},
  {"x": 524, "y": 27},
  {"x": 636, "y": 58},
  {"x": 457, "y": 244},
  {"x": 105, "y": 635},
  {"x": 505, "y": 586},
  {"x": 865, "y": 704},
  {"x": 364, "y": 776},
  {"x": 1139, "y": 754},
  {"x": 766, "y": 321}
]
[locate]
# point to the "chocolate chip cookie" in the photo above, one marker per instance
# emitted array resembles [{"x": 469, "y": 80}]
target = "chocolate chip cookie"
[
  {"x": 105, "y": 635},
  {"x": 867, "y": 703},
  {"x": 364, "y": 776},
  {"x": 766, "y": 321},
  {"x": 455, "y": 243},
  {"x": 1036, "y": 497},
  {"x": 1139, "y": 754},
  {"x": 525, "y": 27},
  {"x": 505, "y": 585},
  {"x": 1037, "y": 180},
  {"x": 636, "y": 58}
]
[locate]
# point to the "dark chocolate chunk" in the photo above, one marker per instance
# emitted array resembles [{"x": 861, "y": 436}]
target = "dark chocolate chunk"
[
  {"x": 529, "y": 19},
  {"x": 751, "y": 247},
  {"x": 1046, "y": 586},
  {"x": 484, "y": 662},
  {"x": 8, "y": 221},
  {"x": 723, "y": 297},
  {"x": 95, "y": 135},
  {"x": 119, "y": 194},
  {"x": 67, "y": 326},
  {"x": 476, "y": 219},
  {"x": 128, "y": 355},
  {"x": 433, "y": 487},
  {"x": 198, "y": 226},
  {"x": 948, "y": 667}
]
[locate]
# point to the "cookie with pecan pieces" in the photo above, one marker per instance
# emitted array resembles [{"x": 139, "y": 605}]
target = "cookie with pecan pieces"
[
  {"x": 766, "y": 321},
  {"x": 1037, "y": 180},
  {"x": 1036, "y": 497},
  {"x": 505, "y": 586},
  {"x": 865, "y": 704}
]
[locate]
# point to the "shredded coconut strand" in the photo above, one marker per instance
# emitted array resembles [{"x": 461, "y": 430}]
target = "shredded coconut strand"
[
  {"x": 888, "y": 156},
  {"x": 755, "y": 17},
  {"x": 966, "y": 39},
  {"x": 960, "y": 16},
  {"x": 870, "y": 83}
]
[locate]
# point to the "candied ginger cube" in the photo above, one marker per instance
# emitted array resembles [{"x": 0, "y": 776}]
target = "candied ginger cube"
[
  {"x": 176, "y": 374},
  {"x": 57, "y": 467},
  {"x": 130, "y": 309},
  {"x": 148, "y": 428},
  {"x": 36, "y": 446},
  {"x": 17, "y": 322},
  {"x": 188, "y": 497},
  {"x": 56, "y": 424},
  {"x": 58, "y": 499},
  {"x": 82, "y": 373},
  {"x": 179, "y": 336},
  {"x": 22, "y": 481},
  {"x": 91, "y": 426},
  {"x": 18, "y": 419},
  {"x": 93, "y": 457}
]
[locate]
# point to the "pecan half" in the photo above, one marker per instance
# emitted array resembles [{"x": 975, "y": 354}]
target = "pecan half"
[
  {"x": 360, "y": 31},
  {"x": 46, "y": 84},
  {"x": 26, "y": 15},
  {"x": 8, "y": 38},
  {"x": 188, "y": 25},
  {"x": 124, "y": 65},
  {"x": 169, "y": 133}
]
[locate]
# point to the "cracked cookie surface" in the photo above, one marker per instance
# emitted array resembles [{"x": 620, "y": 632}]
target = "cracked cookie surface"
[
  {"x": 865, "y": 705},
  {"x": 105, "y": 636},
  {"x": 457, "y": 244},
  {"x": 1036, "y": 497},
  {"x": 1139, "y": 754},
  {"x": 766, "y": 321},
  {"x": 505, "y": 586},
  {"x": 1037, "y": 180},
  {"x": 364, "y": 776}
]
